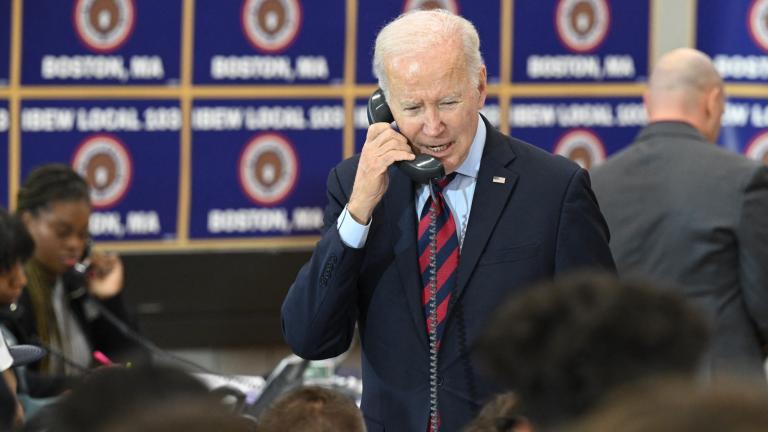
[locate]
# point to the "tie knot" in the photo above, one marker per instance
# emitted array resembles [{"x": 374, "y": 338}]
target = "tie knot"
[{"x": 443, "y": 182}]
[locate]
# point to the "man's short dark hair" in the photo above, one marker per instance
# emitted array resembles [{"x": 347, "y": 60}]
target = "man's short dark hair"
[
  {"x": 500, "y": 414},
  {"x": 313, "y": 409},
  {"x": 672, "y": 405},
  {"x": 182, "y": 415},
  {"x": 16, "y": 245},
  {"x": 563, "y": 345},
  {"x": 113, "y": 393}
]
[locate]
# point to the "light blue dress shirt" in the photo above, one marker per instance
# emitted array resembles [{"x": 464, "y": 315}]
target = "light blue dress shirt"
[{"x": 458, "y": 195}]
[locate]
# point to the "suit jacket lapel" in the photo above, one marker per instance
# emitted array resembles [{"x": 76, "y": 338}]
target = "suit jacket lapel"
[
  {"x": 488, "y": 203},
  {"x": 400, "y": 208}
]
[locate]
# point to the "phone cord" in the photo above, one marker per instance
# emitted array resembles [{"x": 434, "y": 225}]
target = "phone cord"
[
  {"x": 433, "y": 373},
  {"x": 469, "y": 374}
]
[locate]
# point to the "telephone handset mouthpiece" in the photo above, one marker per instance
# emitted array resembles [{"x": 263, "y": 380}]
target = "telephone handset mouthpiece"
[{"x": 422, "y": 169}]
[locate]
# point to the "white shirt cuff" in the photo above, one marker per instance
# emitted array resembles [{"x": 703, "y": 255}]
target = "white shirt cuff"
[
  {"x": 6, "y": 360},
  {"x": 352, "y": 233}
]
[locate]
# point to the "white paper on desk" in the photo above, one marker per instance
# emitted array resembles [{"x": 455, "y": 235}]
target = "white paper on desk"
[{"x": 251, "y": 385}]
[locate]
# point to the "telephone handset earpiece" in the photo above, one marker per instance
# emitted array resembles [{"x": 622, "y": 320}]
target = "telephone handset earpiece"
[{"x": 422, "y": 169}]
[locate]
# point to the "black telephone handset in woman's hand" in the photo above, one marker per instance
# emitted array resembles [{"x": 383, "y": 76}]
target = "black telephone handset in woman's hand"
[{"x": 422, "y": 169}]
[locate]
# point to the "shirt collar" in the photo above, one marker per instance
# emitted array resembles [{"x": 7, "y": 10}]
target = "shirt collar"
[{"x": 471, "y": 165}]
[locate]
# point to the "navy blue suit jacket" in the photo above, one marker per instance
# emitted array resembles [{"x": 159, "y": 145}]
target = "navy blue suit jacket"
[{"x": 541, "y": 221}]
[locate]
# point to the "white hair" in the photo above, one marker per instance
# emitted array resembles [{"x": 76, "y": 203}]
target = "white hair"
[{"x": 420, "y": 31}]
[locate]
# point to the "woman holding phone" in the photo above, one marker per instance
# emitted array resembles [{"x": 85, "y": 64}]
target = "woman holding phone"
[{"x": 55, "y": 308}]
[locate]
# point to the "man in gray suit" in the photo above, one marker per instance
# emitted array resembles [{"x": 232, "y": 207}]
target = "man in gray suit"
[{"x": 683, "y": 211}]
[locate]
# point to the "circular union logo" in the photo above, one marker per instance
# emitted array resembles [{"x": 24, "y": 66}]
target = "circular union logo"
[
  {"x": 271, "y": 25},
  {"x": 758, "y": 148},
  {"x": 268, "y": 169},
  {"x": 105, "y": 164},
  {"x": 104, "y": 25},
  {"x": 582, "y": 24},
  {"x": 757, "y": 23},
  {"x": 582, "y": 147},
  {"x": 449, "y": 5}
]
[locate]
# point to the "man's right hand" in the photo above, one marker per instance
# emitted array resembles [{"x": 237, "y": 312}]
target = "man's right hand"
[{"x": 383, "y": 147}]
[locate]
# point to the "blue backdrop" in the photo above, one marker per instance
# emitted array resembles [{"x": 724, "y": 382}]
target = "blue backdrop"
[{"x": 232, "y": 143}]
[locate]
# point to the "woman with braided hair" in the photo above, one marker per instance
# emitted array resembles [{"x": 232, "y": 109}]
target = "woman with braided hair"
[{"x": 54, "y": 309}]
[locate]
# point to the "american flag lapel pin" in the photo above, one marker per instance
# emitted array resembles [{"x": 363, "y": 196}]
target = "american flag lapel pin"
[{"x": 497, "y": 179}]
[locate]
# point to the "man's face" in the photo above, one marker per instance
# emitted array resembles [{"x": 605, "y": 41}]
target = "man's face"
[
  {"x": 60, "y": 232},
  {"x": 11, "y": 284},
  {"x": 434, "y": 102}
]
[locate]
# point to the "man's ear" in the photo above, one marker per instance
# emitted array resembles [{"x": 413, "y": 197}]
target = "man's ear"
[
  {"x": 482, "y": 85},
  {"x": 647, "y": 102},
  {"x": 714, "y": 107},
  {"x": 715, "y": 99}
]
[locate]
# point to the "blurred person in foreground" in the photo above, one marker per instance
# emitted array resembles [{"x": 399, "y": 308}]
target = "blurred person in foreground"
[
  {"x": 182, "y": 415},
  {"x": 312, "y": 409},
  {"x": 507, "y": 213},
  {"x": 689, "y": 214},
  {"x": 658, "y": 406},
  {"x": 123, "y": 397},
  {"x": 500, "y": 414},
  {"x": 563, "y": 346}
]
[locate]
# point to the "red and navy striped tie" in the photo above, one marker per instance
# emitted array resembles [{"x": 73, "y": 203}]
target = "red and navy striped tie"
[{"x": 447, "y": 254}]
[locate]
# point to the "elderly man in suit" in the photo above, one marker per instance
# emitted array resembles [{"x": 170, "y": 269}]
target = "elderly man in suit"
[
  {"x": 509, "y": 214},
  {"x": 684, "y": 211}
]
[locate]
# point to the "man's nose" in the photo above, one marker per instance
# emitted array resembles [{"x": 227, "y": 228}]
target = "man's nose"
[{"x": 433, "y": 123}]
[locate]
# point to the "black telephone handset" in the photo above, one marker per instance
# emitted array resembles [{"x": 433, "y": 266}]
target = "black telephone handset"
[
  {"x": 84, "y": 262},
  {"x": 75, "y": 279},
  {"x": 422, "y": 169},
  {"x": 80, "y": 269},
  {"x": 87, "y": 250}
]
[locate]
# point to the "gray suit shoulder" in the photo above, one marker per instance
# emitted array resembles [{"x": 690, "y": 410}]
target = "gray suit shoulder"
[
  {"x": 724, "y": 163},
  {"x": 685, "y": 154},
  {"x": 728, "y": 156}
]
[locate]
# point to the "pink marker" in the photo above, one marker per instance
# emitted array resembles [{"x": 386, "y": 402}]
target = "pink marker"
[{"x": 102, "y": 358}]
